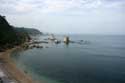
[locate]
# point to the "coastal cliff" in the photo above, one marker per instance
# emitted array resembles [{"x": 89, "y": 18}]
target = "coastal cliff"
[{"x": 11, "y": 36}]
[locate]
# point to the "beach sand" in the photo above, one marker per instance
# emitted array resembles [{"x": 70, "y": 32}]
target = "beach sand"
[{"x": 10, "y": 67}]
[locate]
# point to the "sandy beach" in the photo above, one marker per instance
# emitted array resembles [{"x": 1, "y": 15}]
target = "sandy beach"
[{"x": 10, "y": 67}]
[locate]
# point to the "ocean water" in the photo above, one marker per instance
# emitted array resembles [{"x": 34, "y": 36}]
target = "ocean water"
[{"x": 100, "y": 59}]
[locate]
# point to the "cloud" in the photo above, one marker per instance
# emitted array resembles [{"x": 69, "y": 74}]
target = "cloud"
[
  {"x": 48, "y": 6},
  {"x": 23, "y": 7},
  {"x": 84, "y": 16},
  {"x": 17, "y": 7}
]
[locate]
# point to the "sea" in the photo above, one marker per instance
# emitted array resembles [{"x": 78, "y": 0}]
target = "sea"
[{"x": 87, "y": 59}]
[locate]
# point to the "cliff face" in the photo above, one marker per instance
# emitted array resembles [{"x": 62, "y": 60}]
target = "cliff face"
[
  {"x": 11, "y": 36},
  {"x": 7, "y": 33}
]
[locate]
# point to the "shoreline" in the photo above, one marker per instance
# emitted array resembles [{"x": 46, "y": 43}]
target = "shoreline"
[{"x": 10, "y": 67}]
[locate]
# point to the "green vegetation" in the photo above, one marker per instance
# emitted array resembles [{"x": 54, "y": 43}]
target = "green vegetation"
[
  {"x": 11, "y": 36},
  {"x": 29, "y": 31}
]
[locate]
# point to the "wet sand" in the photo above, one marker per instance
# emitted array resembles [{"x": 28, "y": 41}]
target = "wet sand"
[{"x": 10, "y": 67}]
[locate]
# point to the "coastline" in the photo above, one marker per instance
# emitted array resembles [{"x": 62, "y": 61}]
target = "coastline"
[{"x": 10, "y": 67}]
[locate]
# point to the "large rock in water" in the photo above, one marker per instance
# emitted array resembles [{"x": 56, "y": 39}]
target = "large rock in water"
[{"x": 66, "y": 40}]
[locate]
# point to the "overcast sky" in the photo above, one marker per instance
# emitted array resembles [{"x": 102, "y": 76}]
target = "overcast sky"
[{"x": 67, "y": 16}]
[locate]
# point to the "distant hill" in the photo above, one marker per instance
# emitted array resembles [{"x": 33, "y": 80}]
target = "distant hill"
[
  {"x": 11, "y": 36},
  {"x": 29, "y": 31}
]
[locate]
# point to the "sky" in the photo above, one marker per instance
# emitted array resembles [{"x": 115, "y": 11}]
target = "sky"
[{"x": 67, "y": 16}]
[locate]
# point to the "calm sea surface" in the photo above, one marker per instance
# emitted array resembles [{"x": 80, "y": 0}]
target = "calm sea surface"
[{"x": 98, "y": 59}]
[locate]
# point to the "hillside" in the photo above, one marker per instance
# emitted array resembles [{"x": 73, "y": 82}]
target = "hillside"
[
  {"x": 11, "y": 36},
  {"x": 29, "y": 31}
]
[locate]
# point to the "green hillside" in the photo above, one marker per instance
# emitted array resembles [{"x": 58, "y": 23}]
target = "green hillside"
[{"x": 11, "y": 36}]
